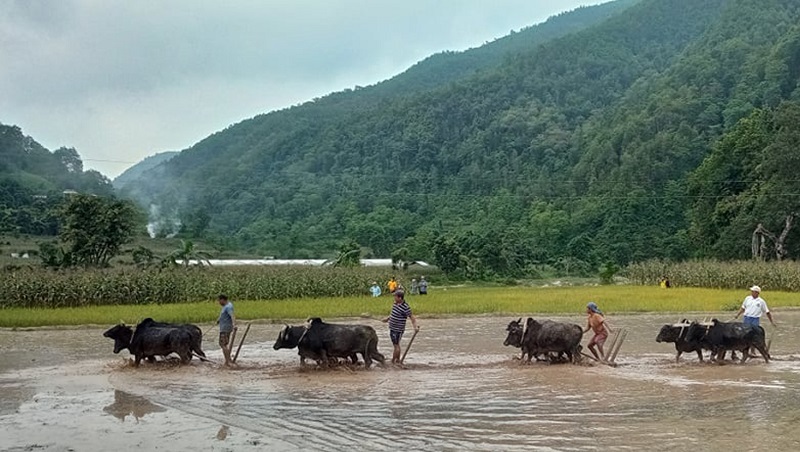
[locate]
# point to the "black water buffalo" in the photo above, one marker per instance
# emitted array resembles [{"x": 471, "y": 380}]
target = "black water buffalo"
[
  {"x": 516, "y": 332},
  {"x": 322, "y": 341},
  {"x": 679, "y": 335},
  {"x": 545, "y": 338},
  {"x": 289, "y": 337},
  {"x": 720, "y": 337},
  {"x": 151, "y": 338}
]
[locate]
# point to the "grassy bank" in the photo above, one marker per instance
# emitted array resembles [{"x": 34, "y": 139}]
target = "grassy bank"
[{"x": 453, "y": 301}]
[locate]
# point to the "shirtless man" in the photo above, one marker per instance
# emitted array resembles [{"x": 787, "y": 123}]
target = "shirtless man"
[{"x": 596, "y": 323}]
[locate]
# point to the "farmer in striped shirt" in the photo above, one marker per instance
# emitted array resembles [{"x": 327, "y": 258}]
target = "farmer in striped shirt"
[{"x": 397, "y": 322}]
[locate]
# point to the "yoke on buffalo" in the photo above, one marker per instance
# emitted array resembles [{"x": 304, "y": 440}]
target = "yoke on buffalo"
[
  {"x": 324, "y": 342},
  {"x": 547, "y": 337},
  {"x": 150, "y": 339}
]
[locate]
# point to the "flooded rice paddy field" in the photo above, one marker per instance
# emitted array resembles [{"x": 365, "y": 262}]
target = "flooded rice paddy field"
[{"x": 461, "y": 390}]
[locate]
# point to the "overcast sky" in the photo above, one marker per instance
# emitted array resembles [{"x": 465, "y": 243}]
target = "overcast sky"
[{"x": 123, "y": 79}]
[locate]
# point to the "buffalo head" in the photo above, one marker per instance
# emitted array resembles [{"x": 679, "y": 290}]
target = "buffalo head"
[
  {"x": 122, "y": 336},
  {"x": 514, "y": 337},
  {"x": 289, "y": 337}
]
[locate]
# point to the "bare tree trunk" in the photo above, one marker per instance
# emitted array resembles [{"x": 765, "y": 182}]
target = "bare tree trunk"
[
  {"x": 755, "y": 245},
  {"x": 780, "y": 247},
  {"x": 760, "y": 234},
  {"x": 759, "y": 237}
]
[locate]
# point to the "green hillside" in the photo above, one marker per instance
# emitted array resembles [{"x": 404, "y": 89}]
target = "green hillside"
[
  {"x": 573, "y": 151},
  {"x": 33, "y": 181},
  {"x": 447, "y": 67}
]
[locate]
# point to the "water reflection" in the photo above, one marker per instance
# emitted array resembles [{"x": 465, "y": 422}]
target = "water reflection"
[
  {"x": 14, "y": 394},
  {"x": 126, "y": 404}
]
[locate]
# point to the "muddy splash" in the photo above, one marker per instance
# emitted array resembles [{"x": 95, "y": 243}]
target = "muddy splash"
[{"x": 65, "y": 389}]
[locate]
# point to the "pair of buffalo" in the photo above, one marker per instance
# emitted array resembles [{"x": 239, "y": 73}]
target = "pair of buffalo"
[
  {"x": 718, "y": 337},
  {"x": 151, "y": 339},
  {"x": 552, "y": 339},
  {"x": 325, "y": 343}
]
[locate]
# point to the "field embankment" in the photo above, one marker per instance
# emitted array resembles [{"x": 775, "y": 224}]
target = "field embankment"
[{"x": 614, "y": 300}]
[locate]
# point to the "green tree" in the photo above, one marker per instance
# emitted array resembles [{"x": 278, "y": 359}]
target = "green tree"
[
  {"x": 607, "y": 272},
  {"x": 446, "y": 254},
  {"x": 95, "y": 228},
  {"x": 349, "y": 255},
  {"x": 70, "y": 159},
  {"x": 400, "y": 258},
  {"x": 195, "y": 222}
]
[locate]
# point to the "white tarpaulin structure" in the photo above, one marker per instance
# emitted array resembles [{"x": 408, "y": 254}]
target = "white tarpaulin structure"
[{"x": 306, "y": 262}]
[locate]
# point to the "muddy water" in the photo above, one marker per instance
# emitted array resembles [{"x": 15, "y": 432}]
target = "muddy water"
[{"x": 66, "y": 390}]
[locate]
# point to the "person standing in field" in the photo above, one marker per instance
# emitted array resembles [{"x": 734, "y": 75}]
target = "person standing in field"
[
  {"x": 397, "y": 323},
  {"x": 423, "y": 286},
  {"x": 753, "y": 308},
  {"x": 392, "y": 285},
  {"x": 414, "y": 286},
  {"x": 375, "y": 289},
  {"x": 597, "y": 323},
  {"x": 227, "y": 324}
]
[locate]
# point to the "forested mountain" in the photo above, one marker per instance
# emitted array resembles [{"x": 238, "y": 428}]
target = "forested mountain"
[
  {"x": 136, "y": 171},
  {"x": 614, "y": 143},
  {"x": 447, "y": 67},
  {"x": 33, "y": 181}
]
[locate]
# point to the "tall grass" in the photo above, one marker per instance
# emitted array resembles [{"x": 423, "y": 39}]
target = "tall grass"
[
  {"x": 613, "y": 300},
  {"x": 784, "y": 276}
]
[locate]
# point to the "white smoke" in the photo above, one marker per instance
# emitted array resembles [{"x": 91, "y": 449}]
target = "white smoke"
[{"x": 159, "y": 224}]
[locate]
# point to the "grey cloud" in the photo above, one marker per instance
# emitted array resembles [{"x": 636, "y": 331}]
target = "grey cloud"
[{"x": 163, "y": 74}]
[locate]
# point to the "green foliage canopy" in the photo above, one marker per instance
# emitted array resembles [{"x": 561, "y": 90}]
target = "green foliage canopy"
[{"x": 95, "y": 228}]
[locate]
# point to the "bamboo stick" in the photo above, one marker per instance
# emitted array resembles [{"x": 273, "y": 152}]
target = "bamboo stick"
[
  {"x": 238, "y": 349},
  {"x": 408, "y": 347},
  {"x": 622, "y": 335},
  {"x": 613, "y": 342}
]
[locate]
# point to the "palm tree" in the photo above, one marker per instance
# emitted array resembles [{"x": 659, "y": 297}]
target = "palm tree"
[{"x": 187, "y": 253}]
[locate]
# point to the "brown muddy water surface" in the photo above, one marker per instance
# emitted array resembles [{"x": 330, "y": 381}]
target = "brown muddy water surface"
[{"x": 65, "y": 390}]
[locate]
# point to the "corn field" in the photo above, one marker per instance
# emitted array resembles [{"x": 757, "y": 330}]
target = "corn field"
[
  {"x": 41, "y": 288},
  {"x": 772, "y": 276}
]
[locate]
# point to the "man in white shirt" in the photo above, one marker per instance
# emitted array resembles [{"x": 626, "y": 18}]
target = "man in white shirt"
[{"x": 754, "y": 307}]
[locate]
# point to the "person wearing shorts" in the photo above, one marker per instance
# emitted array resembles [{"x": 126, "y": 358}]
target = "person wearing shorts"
[
  {"x": 597, "y": 323},
  {"x": 227, "y": 324},
  {"x": 397, "y": 322}
]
